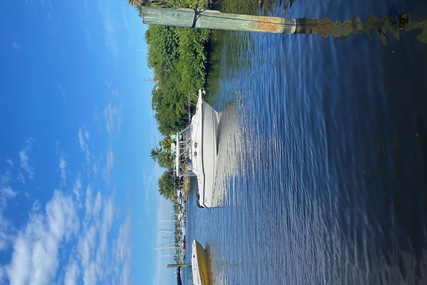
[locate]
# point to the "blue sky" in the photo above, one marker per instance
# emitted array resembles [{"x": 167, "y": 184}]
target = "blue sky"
[{"x": 78, "y": 190}]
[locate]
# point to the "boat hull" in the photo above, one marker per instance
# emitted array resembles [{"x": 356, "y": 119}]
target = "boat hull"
[
  {"x": 199, "y": 264},
  {"x": 205, "y": 151}
]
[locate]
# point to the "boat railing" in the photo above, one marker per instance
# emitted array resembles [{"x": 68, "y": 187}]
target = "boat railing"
[{"x": 183, "y": 154}]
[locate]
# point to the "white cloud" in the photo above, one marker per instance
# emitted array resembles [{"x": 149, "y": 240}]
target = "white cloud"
[
  {"x": 124, "y": 17},
  {"x": 73, "y": 239},
  {"x": 6, "y": 193},
  {"x": 5, "y": 232},
  {"x": 86, "y": 245},
  {"x": 122, "y": 253},
  {"x": 109, "y": 164},
  {"x": 89, "y": 274},
  {"x": 35, "y": 249},
  {"x": 71, "y": 274},
  {"x": 81, "y": 140},
  {"x": 88, "y": 203},
  {"x": 25, "y": 162},
  {"x": 95, "y": 168},
  {"x": 19, "y": 270},
  {"x": 61, "y": 216},
  {"x": 83, "y": 136},
  {"x": 93, "y": 247},
  {"x": 107, "y": 222},
  {"x": 94, "y": 254},
  {"x": 63, "y": 170},
  {"x": 97, "y": 204},
  {"x": 6, "y": 227},
  {"x": 3, "y": 273},
  {"x": 77, "y": 186},
  {"x": 113, "y": 118},
  {"x": 6, "y": 177}
]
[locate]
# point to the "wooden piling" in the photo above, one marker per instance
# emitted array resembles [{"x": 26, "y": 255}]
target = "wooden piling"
[{"x": 216, "y": 20}]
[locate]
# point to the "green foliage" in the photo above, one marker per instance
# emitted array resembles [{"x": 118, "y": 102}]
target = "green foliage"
[
  {"x": 192, "y": 55},
  {"x": 166, "y": 185},
  {"x": 177, "y": 57},
  {"x": 162, "y": 49},
  {"x": 163, "y": 157}
]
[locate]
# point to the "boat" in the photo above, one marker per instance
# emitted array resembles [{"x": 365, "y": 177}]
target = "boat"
[
  {"x": 199, "y": 265},
  {"x": 196, "y": 151},
  {"x": 178, "y": 276}
]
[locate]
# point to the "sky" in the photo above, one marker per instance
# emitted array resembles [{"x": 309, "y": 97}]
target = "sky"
[{"x": 78, "y": 190}]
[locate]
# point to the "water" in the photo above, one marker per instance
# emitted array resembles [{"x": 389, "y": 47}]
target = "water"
[{"x": 323, "y": 154}]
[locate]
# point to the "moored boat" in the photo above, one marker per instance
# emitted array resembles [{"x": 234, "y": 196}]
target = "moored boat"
[
  {"x": 199, "y": 265},
  {"x": 197, "y": 151}
]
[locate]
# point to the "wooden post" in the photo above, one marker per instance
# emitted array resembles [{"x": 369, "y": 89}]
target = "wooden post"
[{"x": 216, "y": 20}]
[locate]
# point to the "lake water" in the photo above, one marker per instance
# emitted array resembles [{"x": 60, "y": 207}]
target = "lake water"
[{"x": 323, "y": 153}]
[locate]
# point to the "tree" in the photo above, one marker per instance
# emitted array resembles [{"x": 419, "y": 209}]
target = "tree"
[
  {"x": 162, "y": 157},
  {"x": 155, "y": 152},
  {"x": 166, "y": 185},
  {"x": 178, "y": 58}
]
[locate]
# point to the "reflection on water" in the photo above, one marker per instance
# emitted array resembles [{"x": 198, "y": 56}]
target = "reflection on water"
[
  {"x": 380, "y": 26},
  {"x": 229, "y": 146},
  {"x": 323, "y": 158}
]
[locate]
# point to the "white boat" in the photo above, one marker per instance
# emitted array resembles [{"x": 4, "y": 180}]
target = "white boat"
[
  {"x": 199, "y": 265},
  {"x": 197, "y": 151}
]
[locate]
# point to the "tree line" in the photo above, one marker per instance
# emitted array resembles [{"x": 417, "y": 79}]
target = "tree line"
[{"x": 178, "y": 57}]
